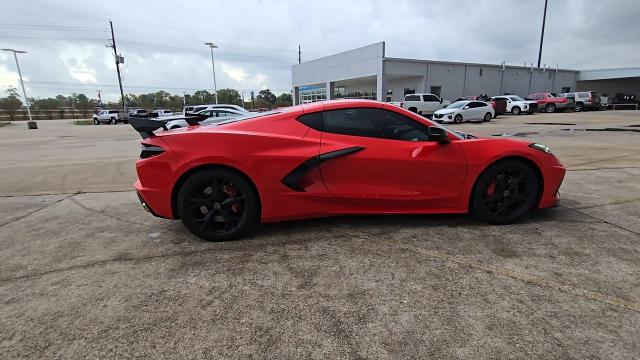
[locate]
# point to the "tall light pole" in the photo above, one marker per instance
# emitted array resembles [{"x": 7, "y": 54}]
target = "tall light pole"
[
  {"x": 544, "y": 19},
  {"x": 213, "y": 68},
  {"x": 31, "y": 124}
]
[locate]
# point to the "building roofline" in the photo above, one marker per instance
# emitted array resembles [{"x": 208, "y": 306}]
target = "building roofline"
[
  {"x": 343, "y": 52},
  {"x": 425, "y": 61}
]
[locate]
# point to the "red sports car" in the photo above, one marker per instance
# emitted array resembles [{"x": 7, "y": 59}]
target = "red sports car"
[{"x": 330, "y": 158}]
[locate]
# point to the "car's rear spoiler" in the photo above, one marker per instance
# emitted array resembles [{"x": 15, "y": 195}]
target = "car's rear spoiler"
[{"x": 146, "y": 126}]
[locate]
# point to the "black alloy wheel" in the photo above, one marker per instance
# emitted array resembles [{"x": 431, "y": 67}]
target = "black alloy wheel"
[
  {"x": 218, "y": 205},
  {"x": 505, "y": 192}
]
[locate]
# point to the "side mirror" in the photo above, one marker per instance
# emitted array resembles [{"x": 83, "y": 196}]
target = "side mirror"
[
  {"x": 441, "y": 101},
  {"x": 438, "y": 134},
  {"x": 465, "y": 107}
]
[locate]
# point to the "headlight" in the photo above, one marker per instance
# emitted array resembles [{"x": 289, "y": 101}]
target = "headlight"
[{"x": 543, "y": 148}]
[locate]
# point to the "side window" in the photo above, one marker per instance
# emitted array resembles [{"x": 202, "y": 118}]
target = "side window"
[
  {"x": 431, "y": 98},
  {"x": 313, "y": 120},
  {"x": 374, "y": 123},
  {"x": 412, "y": 98}
]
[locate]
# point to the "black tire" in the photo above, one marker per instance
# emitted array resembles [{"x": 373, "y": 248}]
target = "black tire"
[
  {"x": 515, "y": 110},
  {"x": 96, "y": 122},
  {"x": 487, "y": 117},
  {"x": 505, "y": 192},
  {"x": 457, "y": 119},
  {"x": 218, "y": 205},
  {"x": 550, "y": 108},
  {"x": 578, "y": 107},
  {"x": 114, "y": 121}
]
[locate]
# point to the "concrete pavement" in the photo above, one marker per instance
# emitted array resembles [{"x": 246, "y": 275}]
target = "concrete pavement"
[{"x": 88, "y": 275}]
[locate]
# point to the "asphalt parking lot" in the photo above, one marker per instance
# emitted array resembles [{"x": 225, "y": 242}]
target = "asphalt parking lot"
[{"x": 85, "y": 272}]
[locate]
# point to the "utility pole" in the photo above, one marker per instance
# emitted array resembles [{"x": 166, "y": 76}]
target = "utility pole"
[
  {"x": 544, "y": 19},
  {"x": 299, "y": 54},
  {"x": 213, "y": 68},
  {"x": 117, "y": 58}
]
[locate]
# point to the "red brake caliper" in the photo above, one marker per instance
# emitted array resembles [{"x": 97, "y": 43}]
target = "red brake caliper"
[
  {"x": 491, "y": 189},
  {"x": 231, "y": 192}
]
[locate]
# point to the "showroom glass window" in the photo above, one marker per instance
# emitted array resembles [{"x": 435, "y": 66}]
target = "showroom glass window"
[{"x": 374, "y": 123}]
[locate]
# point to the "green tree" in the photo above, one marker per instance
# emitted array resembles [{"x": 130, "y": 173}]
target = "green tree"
[
  {"x": 47, "y": 104},
  {"x": 11, "y": 103},
  {"x": 202, "y": 97},
  {"x": 229, "y": 96},
  {"x": 266, "y": 96},
  {"x": 284, "y": 99}
]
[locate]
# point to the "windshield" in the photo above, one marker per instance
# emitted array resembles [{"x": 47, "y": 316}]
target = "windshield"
[
  {"x": 516, "y": 98},
  {"x": 457, "y": 105}
]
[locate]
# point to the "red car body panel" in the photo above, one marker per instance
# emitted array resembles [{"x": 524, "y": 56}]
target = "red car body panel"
[{"x": 385, "y": 177}]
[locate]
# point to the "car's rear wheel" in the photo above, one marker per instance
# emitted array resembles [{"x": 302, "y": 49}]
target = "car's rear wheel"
[
  {"x": 218, "y": 204},
  {"x": 487, "y": 117},
  {"x": 515, "y": 110},
  {"x": 457, "y": 119},
  {"x": 550, "y": 108},
  {"x": 578, "y": 107},
  {"x": 505, "y": 192}
]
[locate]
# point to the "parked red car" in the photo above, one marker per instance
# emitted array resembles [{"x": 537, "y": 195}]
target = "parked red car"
[
  {"x": 332, "y": 158},
  {"x": 550, "y": 102}
]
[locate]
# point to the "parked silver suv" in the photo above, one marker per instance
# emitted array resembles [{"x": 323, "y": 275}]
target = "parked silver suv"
[{"x": 584, "y": 100}]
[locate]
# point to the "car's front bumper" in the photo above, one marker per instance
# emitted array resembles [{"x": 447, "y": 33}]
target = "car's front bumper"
[{"x": 553, "y": 175}]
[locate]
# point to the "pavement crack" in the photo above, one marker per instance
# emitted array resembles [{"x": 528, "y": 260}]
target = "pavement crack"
[
  {"x": 607, "y": 159},
  {"x": 606, "y": 168},
  {"x": 606, "y": 204},
  {"x": 104, "y": 213},
  {"x": 37, "y": 210},
  {"x": 601, "y": 219}
]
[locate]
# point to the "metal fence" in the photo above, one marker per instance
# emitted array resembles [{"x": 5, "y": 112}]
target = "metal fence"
[
  {"x": 47, "y": 114},
  {"x": 632, "y": 106}
]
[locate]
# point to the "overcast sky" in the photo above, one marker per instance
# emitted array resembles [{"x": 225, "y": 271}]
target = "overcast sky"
[{"x": 162, "y": 41}]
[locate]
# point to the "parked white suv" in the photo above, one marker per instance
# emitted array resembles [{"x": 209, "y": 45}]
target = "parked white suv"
[
  {"x": 517, "y": 105},
  {"x": 106, "y": 116},
  {"x": 424, "y": 104}
]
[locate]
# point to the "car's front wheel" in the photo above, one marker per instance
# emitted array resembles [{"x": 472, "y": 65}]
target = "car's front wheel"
[
  {"x": 113, "y": 121},
  {"x": 457, "y": 119},
  {"x": 505, "y": 192},
  {"x": 218, "y": 204},
  {"x": 96, "y": 122}
]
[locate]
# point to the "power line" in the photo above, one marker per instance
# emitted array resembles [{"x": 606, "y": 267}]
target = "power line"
[{"x": 59, "y": 83}]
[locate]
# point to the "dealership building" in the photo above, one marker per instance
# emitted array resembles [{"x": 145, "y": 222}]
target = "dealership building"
[{"x": 367, "y": 73}]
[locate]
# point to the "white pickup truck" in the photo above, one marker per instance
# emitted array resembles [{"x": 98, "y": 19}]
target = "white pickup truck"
[
  {"x": 107, "y": 116},
  {"x": 160, "y": 113},
  {"x": 424, "y": 104}
]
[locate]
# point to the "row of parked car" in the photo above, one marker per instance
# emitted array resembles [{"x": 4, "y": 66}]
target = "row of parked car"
[
  {"x": 484, "y": 108},
  {"x": 213, "y": 112}
]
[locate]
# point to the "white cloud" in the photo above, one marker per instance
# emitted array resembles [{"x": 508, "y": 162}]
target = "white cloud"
[{"x": 234, "y": 72}]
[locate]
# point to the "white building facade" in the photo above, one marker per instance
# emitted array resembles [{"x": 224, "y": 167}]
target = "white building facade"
[{"x": 366, "y": 73}]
